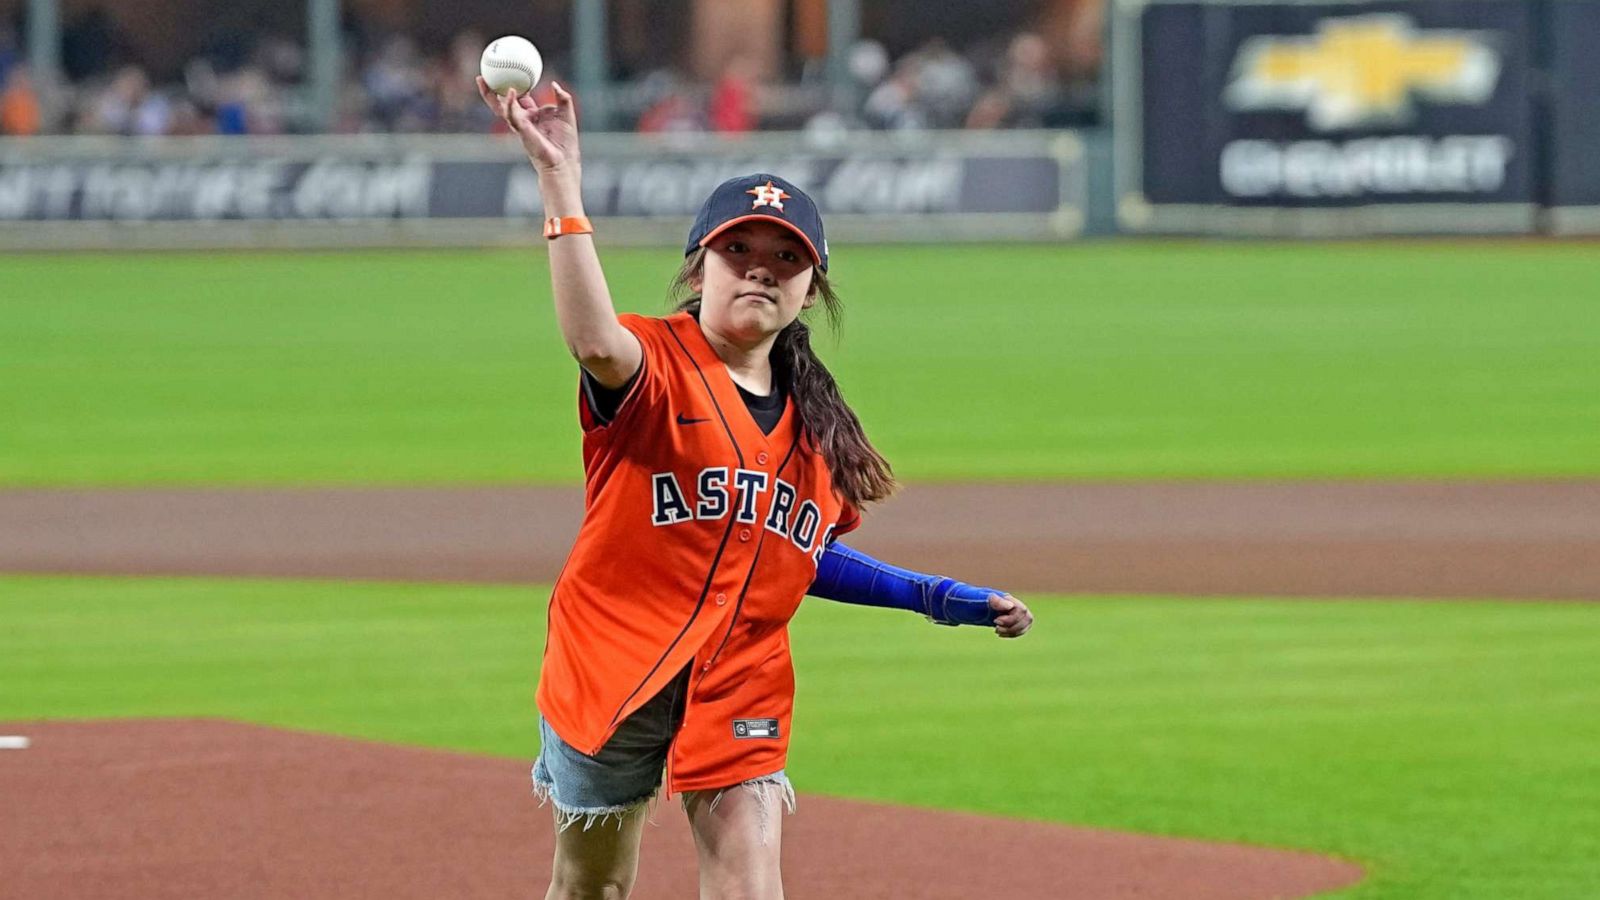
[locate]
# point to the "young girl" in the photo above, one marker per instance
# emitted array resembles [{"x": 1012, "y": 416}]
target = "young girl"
[{"x": 721, "y": 464}]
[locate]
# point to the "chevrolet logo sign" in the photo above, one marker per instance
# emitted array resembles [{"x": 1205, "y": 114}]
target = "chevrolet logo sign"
[{"x": 1362, "y": 70}]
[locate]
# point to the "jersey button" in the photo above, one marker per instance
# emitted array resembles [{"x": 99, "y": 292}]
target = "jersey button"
[
  {"x": 744, "y": 534},
  {"x": 762, "y": 457},
  {"x": 722, "y": 599},
  {"x": 706, "y": 667}
]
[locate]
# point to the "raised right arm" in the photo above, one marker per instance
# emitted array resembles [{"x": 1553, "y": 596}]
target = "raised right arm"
[{"x": 588, "y": 321}]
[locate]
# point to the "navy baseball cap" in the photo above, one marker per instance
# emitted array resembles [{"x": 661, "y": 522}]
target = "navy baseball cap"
[{"x": 760, "y": 198}]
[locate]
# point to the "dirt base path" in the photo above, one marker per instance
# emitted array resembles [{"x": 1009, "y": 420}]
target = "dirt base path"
[
  {"x": 1421, "y": 539},
  {"x": 155, "y": 809}
]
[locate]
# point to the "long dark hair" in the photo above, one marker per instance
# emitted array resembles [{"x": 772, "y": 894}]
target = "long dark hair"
[{"x": 860, "y": 473}]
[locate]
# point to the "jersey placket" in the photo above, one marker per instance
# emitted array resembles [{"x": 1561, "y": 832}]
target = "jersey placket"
[{"x": 754, "y": 451}]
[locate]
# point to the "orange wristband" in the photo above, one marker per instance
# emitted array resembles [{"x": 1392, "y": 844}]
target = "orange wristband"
[{"x": 556, "y": 226}]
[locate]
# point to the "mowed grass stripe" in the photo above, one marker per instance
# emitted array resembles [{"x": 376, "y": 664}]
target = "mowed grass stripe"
[
  {"x": 1447, "y": 746},
  {"x": 1012, "y": 362}
]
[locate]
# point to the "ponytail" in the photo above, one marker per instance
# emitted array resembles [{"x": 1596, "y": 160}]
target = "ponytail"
[{"x": 860, "y": 473}]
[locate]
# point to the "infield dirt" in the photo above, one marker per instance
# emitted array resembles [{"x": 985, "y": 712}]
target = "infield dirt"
[
  {"x": 204, "y": 808},
  {"x": 1373, "y": 539},
  {"x": 169, "y": 808}
]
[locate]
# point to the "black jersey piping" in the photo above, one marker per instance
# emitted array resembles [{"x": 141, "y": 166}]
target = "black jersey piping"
[
  {"x": 734, "y": 619},
  {"x": 739, "y": 605},
  {"x": 728, "y": 532},
  {"x": 709, "y": 393},
  {"x": 699, "y": 604}
]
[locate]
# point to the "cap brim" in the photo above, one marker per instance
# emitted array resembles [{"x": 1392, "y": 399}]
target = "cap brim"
[{"x": 816, "y": 258}]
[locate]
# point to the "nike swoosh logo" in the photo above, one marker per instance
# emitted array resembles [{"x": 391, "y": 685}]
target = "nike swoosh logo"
[{"x": 683, "y": 421}]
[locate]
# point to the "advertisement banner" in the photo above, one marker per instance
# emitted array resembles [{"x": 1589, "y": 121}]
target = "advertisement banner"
[
  {"x": 1029, "y": 182},
  {"x": 422, "y": 187},
  {"x": 1328, "y": 117}
]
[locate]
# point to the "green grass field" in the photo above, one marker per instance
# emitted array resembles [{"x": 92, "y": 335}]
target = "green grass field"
[
  {"x": 1449, "y": 747},
  {"x": 1090, "y": 360}
]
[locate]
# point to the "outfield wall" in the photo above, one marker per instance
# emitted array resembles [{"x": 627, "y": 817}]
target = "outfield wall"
[
  {"x": 1282, "y": 118},
  {"x": 474, "y": 190}
]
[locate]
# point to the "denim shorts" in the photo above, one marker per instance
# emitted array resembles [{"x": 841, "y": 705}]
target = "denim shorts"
[{"x": 626, "y": 773}]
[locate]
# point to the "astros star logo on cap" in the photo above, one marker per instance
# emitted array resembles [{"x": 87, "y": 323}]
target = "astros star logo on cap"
[{"x": 768, "y": 194}]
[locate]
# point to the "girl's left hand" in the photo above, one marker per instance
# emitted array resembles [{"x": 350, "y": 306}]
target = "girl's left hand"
[{"x": 1013, "y": 620}]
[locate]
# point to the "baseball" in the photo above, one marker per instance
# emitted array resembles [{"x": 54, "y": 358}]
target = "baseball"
[{"x": 511, "y": 62}]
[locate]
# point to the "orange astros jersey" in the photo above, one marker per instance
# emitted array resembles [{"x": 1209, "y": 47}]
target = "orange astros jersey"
[{"x": 700, "y": 536}]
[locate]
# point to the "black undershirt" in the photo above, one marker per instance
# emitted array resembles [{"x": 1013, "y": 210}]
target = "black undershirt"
[{"x": 604, "y": 402}]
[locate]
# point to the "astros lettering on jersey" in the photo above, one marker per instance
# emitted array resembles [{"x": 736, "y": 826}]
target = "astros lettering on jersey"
[{"x": 700, "y": 536}]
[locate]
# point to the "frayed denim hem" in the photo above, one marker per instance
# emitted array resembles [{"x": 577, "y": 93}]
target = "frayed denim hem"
[
  {"x": 568, "y": 816},
  {"x": 765, "y": 798}
]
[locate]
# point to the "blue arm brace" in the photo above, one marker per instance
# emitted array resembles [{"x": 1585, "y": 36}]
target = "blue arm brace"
[{"x": 851, "y": 576}]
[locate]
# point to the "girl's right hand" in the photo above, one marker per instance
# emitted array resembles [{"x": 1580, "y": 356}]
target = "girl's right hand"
[{"x": 549, "y": 133}]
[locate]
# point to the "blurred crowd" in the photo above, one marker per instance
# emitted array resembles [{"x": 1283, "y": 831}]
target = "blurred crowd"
[
  {"x": 393, "y": 85},
  {"x": 256, "y": 86},
  {"x": 1015, "y": 83},
  {"x": 1011, "y": 83}
]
